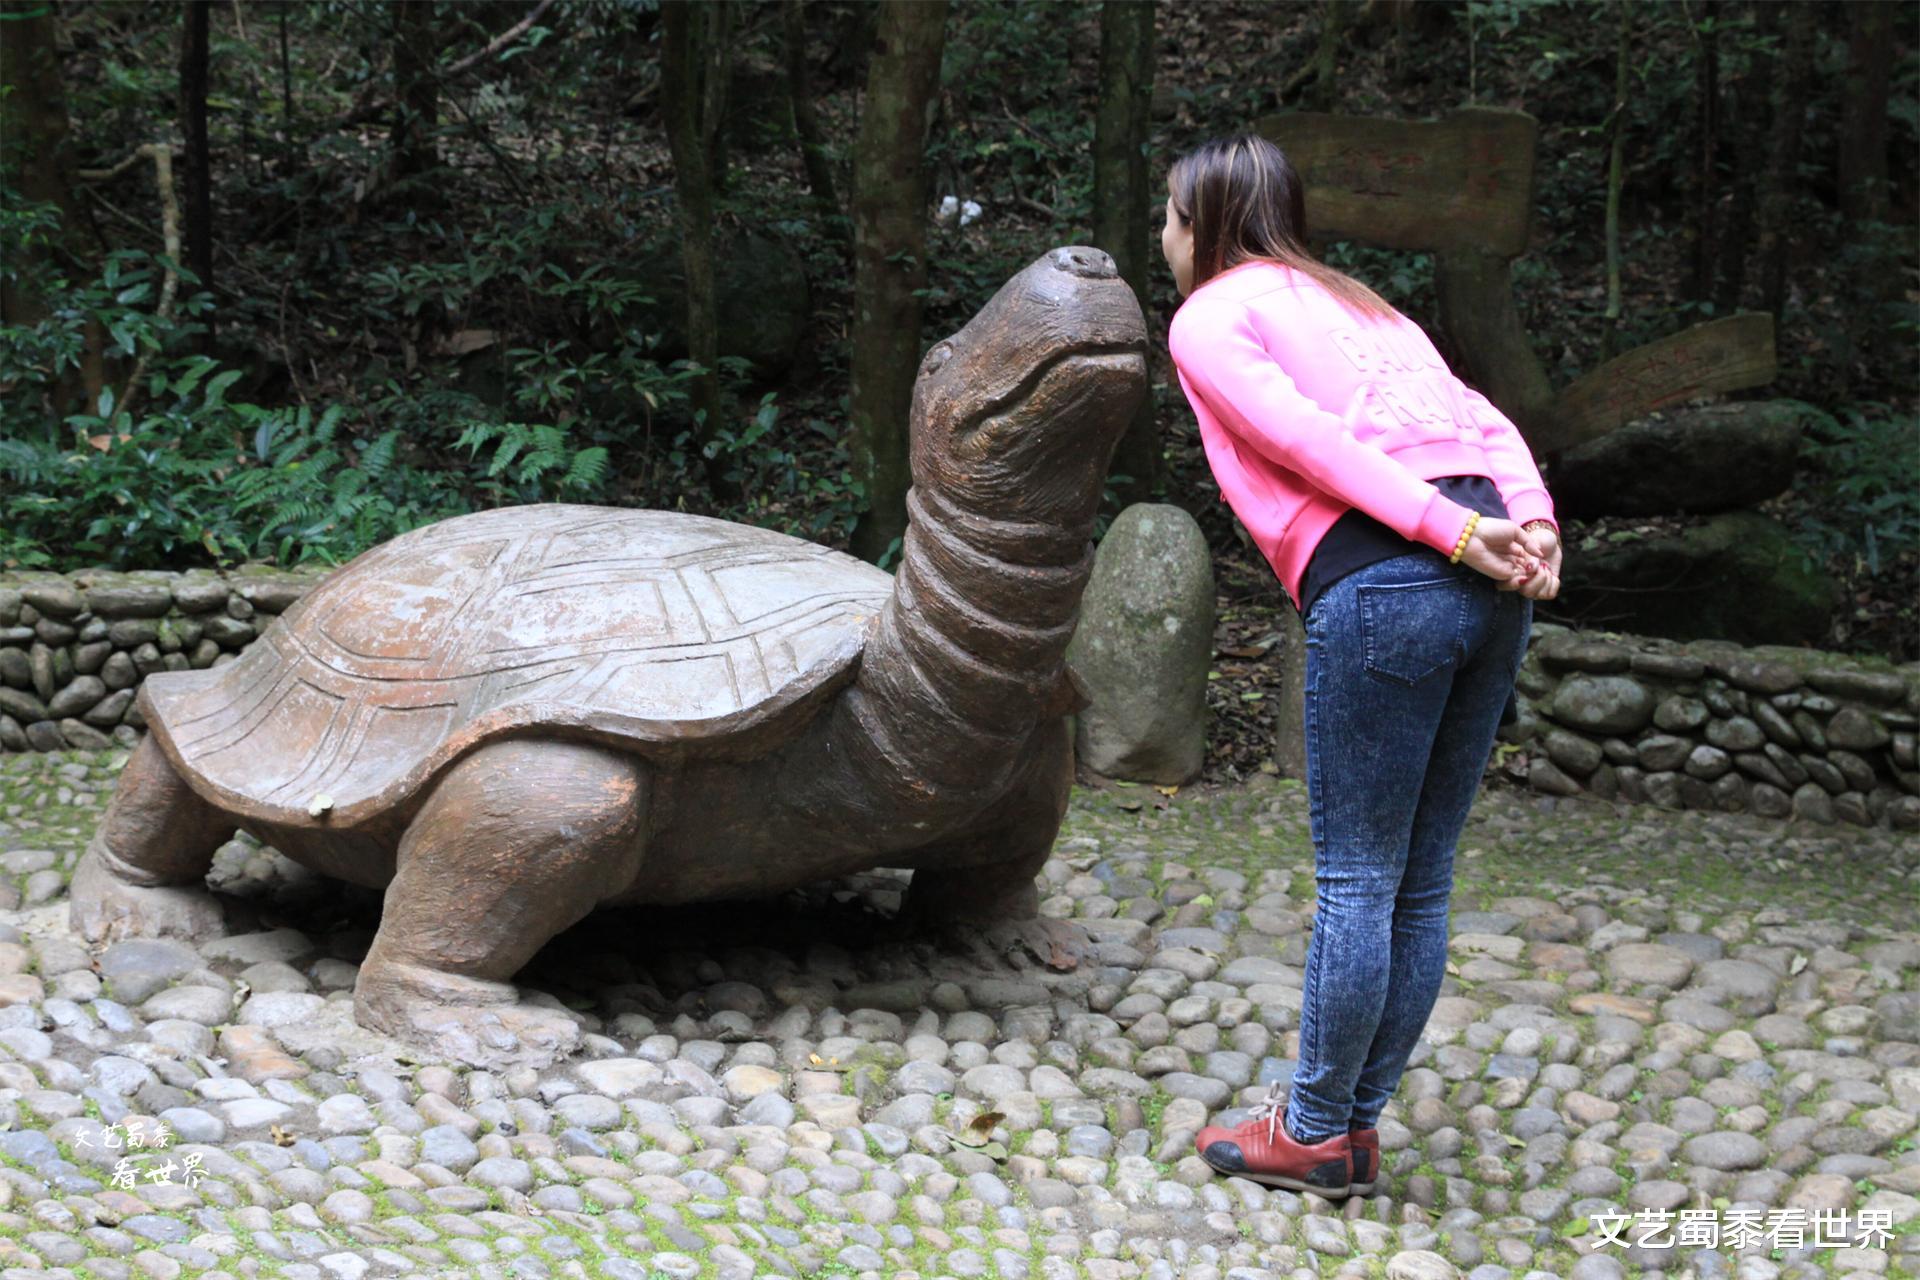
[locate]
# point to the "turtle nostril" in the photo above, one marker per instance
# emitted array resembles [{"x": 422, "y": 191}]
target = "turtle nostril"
[{"x": 1082, "y": 261}]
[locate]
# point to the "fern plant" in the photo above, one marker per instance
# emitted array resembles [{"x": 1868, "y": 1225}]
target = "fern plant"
[{"x": 535, "y": 462}]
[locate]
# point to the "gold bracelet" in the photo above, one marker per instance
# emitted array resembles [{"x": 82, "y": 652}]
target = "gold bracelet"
[
  {"x": 1460, "y": 544},
  {"x": 1466, "y": 535},
  {"x": 1543, "y": 522}
]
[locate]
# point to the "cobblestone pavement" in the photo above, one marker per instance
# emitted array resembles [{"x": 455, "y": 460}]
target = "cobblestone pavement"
[{"x": 1714, "y": 1017}]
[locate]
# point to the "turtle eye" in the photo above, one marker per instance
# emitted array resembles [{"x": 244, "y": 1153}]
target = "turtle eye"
[{"x": 936, "y": 359}]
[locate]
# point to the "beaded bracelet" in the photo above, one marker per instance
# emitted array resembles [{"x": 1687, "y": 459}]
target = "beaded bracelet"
[{"x": 1460, "y": 547}]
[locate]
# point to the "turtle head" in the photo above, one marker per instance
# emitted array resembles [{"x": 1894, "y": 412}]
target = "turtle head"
[{"x": 1016, "y": 416}]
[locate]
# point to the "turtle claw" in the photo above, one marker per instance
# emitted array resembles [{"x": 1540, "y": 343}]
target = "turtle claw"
[
  {"x": 479, "y": 1023},
  {"x": 496, "y": 1037},
  {"x": 1057, "y": 944},
  {"x": 105, "y": 908}
]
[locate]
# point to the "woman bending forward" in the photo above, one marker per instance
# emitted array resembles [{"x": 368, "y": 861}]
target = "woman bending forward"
[{"x": 1405, "y": 517}]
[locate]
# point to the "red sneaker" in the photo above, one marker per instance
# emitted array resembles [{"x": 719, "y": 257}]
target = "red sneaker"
[
  {"x": 1366, "y": 1159},
  {"x": 1263, "y": 1151}
]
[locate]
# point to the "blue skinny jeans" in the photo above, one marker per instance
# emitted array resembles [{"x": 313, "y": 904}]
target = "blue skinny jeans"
[{"x": 1409, "y": 664}]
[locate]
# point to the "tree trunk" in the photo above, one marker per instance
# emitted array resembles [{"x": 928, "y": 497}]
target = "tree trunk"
[
  {"x": 33, "y": 142},
  {"x": 36, "y": 152},
  {"x": 1616, "y": 171},
  {"x": 806, "y": 124},
  {"x": 689, "y": 28},
  {"x": 193, "y": 125},
  {"x": 1321, "y": 73},
  {"x": 1792, "y": 85},
  {"x": 1863, "y": 112},
  {"x": 1747, "y": 140},
  {"x": 717, "y": 45},
  {"x": 1707, "y": 142},
  {"x": 416, "y": 106},
  {"x": 889, "y": 258},
  {"x": 1490, "y": 345},
  {"x": 286, "y": 81},
  {"x": 1121, "y": 196}
]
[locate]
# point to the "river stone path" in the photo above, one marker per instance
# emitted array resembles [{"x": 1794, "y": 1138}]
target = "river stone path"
[{"x": 1644, "y": 1011}]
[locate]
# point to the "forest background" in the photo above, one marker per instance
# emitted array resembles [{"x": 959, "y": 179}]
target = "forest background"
[{"x": 280, "y": 280}]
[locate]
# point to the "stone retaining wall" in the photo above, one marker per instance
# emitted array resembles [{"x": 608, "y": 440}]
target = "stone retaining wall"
[
  {"x": 1709, "y": 725},
  {"x": 1700, "y": 725},
  {"x": 74, "y": 647}
]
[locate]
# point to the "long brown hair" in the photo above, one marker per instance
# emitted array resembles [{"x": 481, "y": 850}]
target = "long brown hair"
[{"x": 1245, "y": 202}]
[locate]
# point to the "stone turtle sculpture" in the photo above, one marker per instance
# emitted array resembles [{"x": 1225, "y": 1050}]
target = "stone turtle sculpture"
[{"x": 508, "y": 719}]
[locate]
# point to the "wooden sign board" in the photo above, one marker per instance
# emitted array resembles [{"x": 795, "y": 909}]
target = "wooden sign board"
[
  {"x": 1464, "y": 181},
  {"x": 1728, "y": 354}
]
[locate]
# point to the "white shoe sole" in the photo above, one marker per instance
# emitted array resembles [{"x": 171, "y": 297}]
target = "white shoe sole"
[{"x": 1291, "y": 1184}]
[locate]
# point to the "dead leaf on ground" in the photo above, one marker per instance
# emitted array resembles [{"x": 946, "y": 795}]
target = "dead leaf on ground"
[{"x": 464, "y": 342}]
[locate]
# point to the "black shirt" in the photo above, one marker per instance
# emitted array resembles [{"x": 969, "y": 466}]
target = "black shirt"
[{"x": 1357, "y": 540}]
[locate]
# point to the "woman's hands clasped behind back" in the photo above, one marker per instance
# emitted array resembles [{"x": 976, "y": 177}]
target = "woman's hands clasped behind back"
[
  {"x": 1543, "y": 542},
  {"x": 1523, "y": 560}
]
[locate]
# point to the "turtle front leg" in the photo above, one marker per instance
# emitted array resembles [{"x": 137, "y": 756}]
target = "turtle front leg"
[
  {"x": 517, "y": 842},
  {"x": 980, "y": 885},
  {"x": 143, "y": 874}
]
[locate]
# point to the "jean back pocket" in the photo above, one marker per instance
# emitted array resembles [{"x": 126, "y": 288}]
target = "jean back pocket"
[{"x": 1412, "y": 630}]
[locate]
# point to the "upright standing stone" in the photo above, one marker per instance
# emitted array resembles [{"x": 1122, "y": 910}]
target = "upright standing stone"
[{"x": 1142, "y": 648}]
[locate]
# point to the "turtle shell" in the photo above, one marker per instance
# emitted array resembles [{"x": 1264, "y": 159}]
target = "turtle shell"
[{"x": 667, "y": 634}]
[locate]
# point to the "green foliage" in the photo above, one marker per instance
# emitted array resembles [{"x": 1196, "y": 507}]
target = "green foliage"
[
  {"x": 177, "y": 471},
  {"x": 172, "y": 484},
  {"x": 1513, "y": 31},
  {"x": 491, "y": 330},
  {"x": 1403, "y": 278},
  {"x": 798, "y": 482},
  {"x": 1866, "y": 458},
  {"x": 1871, "y": 326},
  {"x": 121, "y": 304},
  {"x": 1011, "y": 141},
  {"x": 1012, "y": 134},
  {"x": 170, "y": 470},
  {"x": 532, "y": 463},
  {"x": 550, "y": 376}
]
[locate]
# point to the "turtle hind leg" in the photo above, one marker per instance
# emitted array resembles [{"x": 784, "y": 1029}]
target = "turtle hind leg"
[
  {"x": 143, "y": 873},
  {"x": 977, "y": 889},
  {"x": 518, "y": 841}
]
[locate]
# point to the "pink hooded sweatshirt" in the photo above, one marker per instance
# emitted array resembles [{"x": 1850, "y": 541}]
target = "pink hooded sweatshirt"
[{"x": 1307, "y": 409}]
